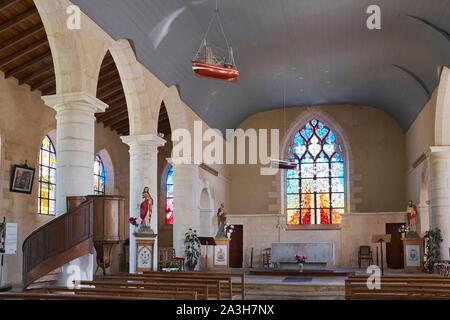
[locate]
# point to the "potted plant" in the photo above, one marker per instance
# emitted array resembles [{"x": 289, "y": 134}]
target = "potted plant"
[
  {"x": 192, "y": 249},
  {"x": 433, "y": 249},
  {"x": 301, "y": 259}
]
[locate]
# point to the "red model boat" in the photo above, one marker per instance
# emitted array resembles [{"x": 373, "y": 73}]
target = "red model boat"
[
  {"x": 208, "y": 65},
  {"x": 206, "y": 70}
]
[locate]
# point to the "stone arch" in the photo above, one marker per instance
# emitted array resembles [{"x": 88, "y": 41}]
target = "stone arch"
[
  {"x": 341, "y": 138},
  {"x": 75, "y": 66},
  {"x": 110, "y": 186},
  {"x": 442, "y": 129},
  {"x": 134, "y": 86},
  {"x": 175, "y": 109}
]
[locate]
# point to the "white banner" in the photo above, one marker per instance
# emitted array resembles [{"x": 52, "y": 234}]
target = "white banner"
[{"x": 11, "y": 238}]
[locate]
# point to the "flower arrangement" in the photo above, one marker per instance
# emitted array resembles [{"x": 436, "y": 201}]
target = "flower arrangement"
[
  {"x": 301, "y": 258},
  {"x": 403, "y": 229},
  {"x": 135, "y": 221}
]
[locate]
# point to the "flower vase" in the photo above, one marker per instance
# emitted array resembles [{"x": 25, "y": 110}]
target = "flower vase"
[
  {"x": 403, "y": 235},
  {"x": 300, "y": 267}
]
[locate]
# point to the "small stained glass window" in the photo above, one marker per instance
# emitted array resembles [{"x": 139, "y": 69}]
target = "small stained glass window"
[
  {"x": 99, "y": 176},
  {"x": 47, "y": 178},
  {"x": 169, "y": 197},
  {"x": 315, "y": 192}
]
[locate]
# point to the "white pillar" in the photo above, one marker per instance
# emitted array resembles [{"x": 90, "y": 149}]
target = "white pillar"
[
  {"x": 185, "y": 204},
  {"x": 440, "y": 194},
  {"x": 143, "y": 173},
  {"x": 75, "y": 134}
]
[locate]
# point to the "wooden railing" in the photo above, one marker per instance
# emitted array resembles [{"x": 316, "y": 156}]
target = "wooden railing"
[{"x": 60, "y": 241}]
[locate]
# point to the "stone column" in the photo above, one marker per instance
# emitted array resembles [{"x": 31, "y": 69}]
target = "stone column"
[
  {"x": 185, "y": 204},
  {"x": 143, "y": 173},
  {"x": 75, "y": 133},
  {"x": 439, "y": 158}
]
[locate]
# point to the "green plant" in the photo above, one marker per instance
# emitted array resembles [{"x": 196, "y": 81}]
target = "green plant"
[
  {"x": 433, "y": 248},
  {"x": 192, "y": 247}
]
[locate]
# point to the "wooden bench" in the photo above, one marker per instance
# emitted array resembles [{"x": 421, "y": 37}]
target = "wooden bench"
[
  {"x": 214, "y": 285},
  {"x": 216, "y": 282},
  {"x": 235, "y": 280},
  {"x": 124, "y": 292},
  {"x": 67, "y": 296},
  {"x": 201, "y": 290},
  {"x": 399, "y": 288}
]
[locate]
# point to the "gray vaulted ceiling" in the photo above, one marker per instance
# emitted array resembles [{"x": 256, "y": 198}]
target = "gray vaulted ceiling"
[{"x": 290, "y": 52}]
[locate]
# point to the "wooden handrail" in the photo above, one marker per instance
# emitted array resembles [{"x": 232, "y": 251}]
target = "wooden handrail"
[{"x": 58, "y": 242}]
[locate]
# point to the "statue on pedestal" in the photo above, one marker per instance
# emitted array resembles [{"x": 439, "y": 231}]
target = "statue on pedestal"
[
  {"x": 145, "y": 211},
  {"x": 221, "y": 222},
  {"x": 412, "y": 217}
]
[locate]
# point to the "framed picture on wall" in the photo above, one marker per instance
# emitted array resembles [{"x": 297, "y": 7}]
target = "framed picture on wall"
[{"x": 22, "y": 178}]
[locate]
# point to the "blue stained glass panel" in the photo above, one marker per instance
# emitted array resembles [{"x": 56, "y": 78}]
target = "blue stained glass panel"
[
  {"x": 321, "y": 131},
  {"x": 307, "y": 132},
  {"x": 292, "y": 174},
  {"x": 292, "y": 185},
  {"x": 337, "y": 158},
  {"x": 307, "y": 159}
]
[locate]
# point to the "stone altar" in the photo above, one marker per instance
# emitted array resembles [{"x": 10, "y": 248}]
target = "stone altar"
[{"x": 320, "y": 255}]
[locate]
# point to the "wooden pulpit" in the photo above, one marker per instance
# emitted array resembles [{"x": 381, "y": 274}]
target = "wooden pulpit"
[
  {"x": 413, "y": 249},
  {"x": 110, "y": 225}
]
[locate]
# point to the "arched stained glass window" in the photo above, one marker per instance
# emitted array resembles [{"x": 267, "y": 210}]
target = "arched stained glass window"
[
  {"x": 315, "y": 192},
  {"x": 99, "y": 176},
  {"x": 47, "y": 178},
  {"x": 169, "y": 197}
]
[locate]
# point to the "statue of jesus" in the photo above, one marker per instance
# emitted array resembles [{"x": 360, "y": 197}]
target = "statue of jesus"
[
  {"x": 412, "y": 216},
  {"x": 146, "y": 207}
]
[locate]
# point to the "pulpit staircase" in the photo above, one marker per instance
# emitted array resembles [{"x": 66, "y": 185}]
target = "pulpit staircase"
[
  {"x": 62, "y": 240},
  {"x": 92, "y": 223}
]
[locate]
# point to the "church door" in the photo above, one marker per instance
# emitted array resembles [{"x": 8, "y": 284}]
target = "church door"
[
  {"x": 237, "y": 247},
  {"x": 394, "y": 250}
]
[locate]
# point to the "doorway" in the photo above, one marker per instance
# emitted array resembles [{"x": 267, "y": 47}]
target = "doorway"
[
  {"x": 237, "y": 247},
  {"x": 394, "y": 250}
]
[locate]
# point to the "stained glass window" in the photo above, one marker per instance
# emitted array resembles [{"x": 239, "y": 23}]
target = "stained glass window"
[
  {"x": 99, "y": 176},
  {"x": 315, "y": 188},
  {"x": 169, "y": 197},
  {"x": 47, "y": 178}
]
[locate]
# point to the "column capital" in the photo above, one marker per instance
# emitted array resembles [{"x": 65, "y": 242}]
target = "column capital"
[
  {"x": 82, "y": 101},
  {"x": 150, "y": 140},
  {"x": 440, "y": 151}
]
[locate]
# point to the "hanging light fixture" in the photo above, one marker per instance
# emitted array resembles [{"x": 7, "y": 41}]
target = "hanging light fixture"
[{"x": 209, "y": 64}]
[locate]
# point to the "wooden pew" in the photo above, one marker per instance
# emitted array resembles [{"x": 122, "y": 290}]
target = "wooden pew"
[
  {"x": 237, "y": 279},
  {"x": 399, "y": 288},
  {"x": 125, "y": 292},
  {"x": 215, "y": 284},
  {"x": 202, "y": 290},
  {"x": 53, "y": 296}
]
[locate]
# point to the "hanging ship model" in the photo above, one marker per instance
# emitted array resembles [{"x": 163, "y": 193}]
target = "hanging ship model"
[{"x": 207, "y": 65}]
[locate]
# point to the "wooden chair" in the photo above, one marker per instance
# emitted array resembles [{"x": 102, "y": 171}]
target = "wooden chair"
[
  {"x": 364, "y": 253},
  {"x": 266, "y": 257},
  {"x": 168, "y": 257}
]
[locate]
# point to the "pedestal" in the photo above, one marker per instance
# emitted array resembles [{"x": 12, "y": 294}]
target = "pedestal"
[
  {"x": 222, "y": 253},
  {"x": 145, "y": 246},
  {"x": 413, "y": 249}
]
